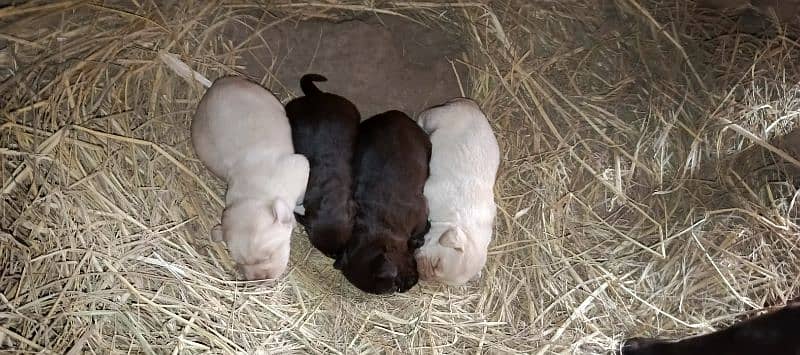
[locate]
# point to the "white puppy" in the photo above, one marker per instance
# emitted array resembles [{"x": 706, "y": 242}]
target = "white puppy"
[
  {"x": 241, "y": 133},
  {"x": 460, "y": 192}
]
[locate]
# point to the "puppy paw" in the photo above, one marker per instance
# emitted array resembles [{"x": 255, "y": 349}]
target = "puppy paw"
[
  {"x": 300, "y": 210},
  {"x": 638, "y": 346}
]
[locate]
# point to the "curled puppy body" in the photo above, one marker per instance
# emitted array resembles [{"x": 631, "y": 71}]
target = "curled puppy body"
[
  {"x": 460, "y": 192},
  {"x": 241, "y": 133},
  {"x": 324, "y": 130},
  {"x": 771, "y": 333},
  {"x": 390, "y": 168}
]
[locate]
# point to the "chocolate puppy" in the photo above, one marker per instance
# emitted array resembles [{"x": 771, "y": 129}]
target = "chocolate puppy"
[
  {"x": 390, "y": 167},
  {"x": 773, "y": 333},
  {"x": 324, "y": 129}
]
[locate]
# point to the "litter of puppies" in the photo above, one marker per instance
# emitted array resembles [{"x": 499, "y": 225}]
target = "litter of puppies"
[{"x": 362, "y": 190}]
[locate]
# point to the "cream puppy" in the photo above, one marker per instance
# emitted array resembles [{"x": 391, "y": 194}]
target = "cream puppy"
[
  {"x": 241, "y": 133},
  {"x": 460, "y": 192}
]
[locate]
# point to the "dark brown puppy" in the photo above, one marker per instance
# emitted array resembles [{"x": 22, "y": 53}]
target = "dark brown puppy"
[
  {"x": 774, "y": 333},
  {"x": 390, "y": 168},
  {"x": 324, "y": 129}
]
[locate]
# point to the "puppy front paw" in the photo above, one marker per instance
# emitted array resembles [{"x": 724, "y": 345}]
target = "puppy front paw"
[
  {"x": 300, "y": 210},
  {"x": 416, "y": 241},
  {"x": 638, "y": 346}
]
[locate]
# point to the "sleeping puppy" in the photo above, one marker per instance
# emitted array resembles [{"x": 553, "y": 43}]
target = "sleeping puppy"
[
  {"x": 241, "y": 133},
  {"x": 460, "y": 192},
  {"x": 771, "y": 333},
  {"x": 324, "y": 129},
  {"x": 390, "y": 167}
]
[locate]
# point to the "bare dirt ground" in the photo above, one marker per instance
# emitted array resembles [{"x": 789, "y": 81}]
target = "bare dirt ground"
[{"x": 378, "y": 62}]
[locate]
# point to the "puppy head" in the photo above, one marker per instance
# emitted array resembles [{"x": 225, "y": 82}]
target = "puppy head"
[
  {"x": 449, "y": 255},
  {"x": 257, "y": 235},
  {"x": 380, "y": 267},
  {"x": 448, "y": 113}
]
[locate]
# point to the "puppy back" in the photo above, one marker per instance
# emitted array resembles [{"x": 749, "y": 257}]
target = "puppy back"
[
  {"x": 394, "y": 127},
  {"x": 391, "y": 160}
]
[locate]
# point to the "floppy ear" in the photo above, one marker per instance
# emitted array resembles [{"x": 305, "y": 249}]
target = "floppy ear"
[
  {"x": 387, "y": 270},
  {"x": 216, "y": 233},
  {"x": 282, "y": 211},
  {"x": 453, "y": 237}
]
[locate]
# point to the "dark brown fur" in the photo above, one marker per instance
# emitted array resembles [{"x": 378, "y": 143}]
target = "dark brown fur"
[
  {"x": 775, "y": 333},
  {"x": 324, "y": 130},
  {"x": 390, "y": 169}
]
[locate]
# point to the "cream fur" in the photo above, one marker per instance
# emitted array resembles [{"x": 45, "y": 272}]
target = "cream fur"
[
  {"x": 460, "y": 192},
  {"x": 241, "y": 133}
]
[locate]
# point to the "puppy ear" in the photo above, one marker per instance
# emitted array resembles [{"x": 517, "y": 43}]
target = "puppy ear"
[
  {"x": 216, "y": 233},
  {"x": 282, "y": 211},
  {"x": 453, "y": 237},
  {"x": 387, "y": 270}
]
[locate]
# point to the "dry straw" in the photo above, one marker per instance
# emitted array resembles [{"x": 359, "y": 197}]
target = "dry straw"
[{"x": 636, "y": 196}]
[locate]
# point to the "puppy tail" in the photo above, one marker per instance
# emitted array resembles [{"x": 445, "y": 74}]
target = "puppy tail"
[
  {"x": 182, "y": 69},
  {"x": 307, "y": 84}
]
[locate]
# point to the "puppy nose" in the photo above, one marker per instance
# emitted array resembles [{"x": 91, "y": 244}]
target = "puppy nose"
[
  {"x": 265, "y": 275},
  {"x": 424, "y": 269}
]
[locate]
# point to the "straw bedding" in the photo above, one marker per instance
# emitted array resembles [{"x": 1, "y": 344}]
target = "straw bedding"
[{"x": 643, "y": 188}]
